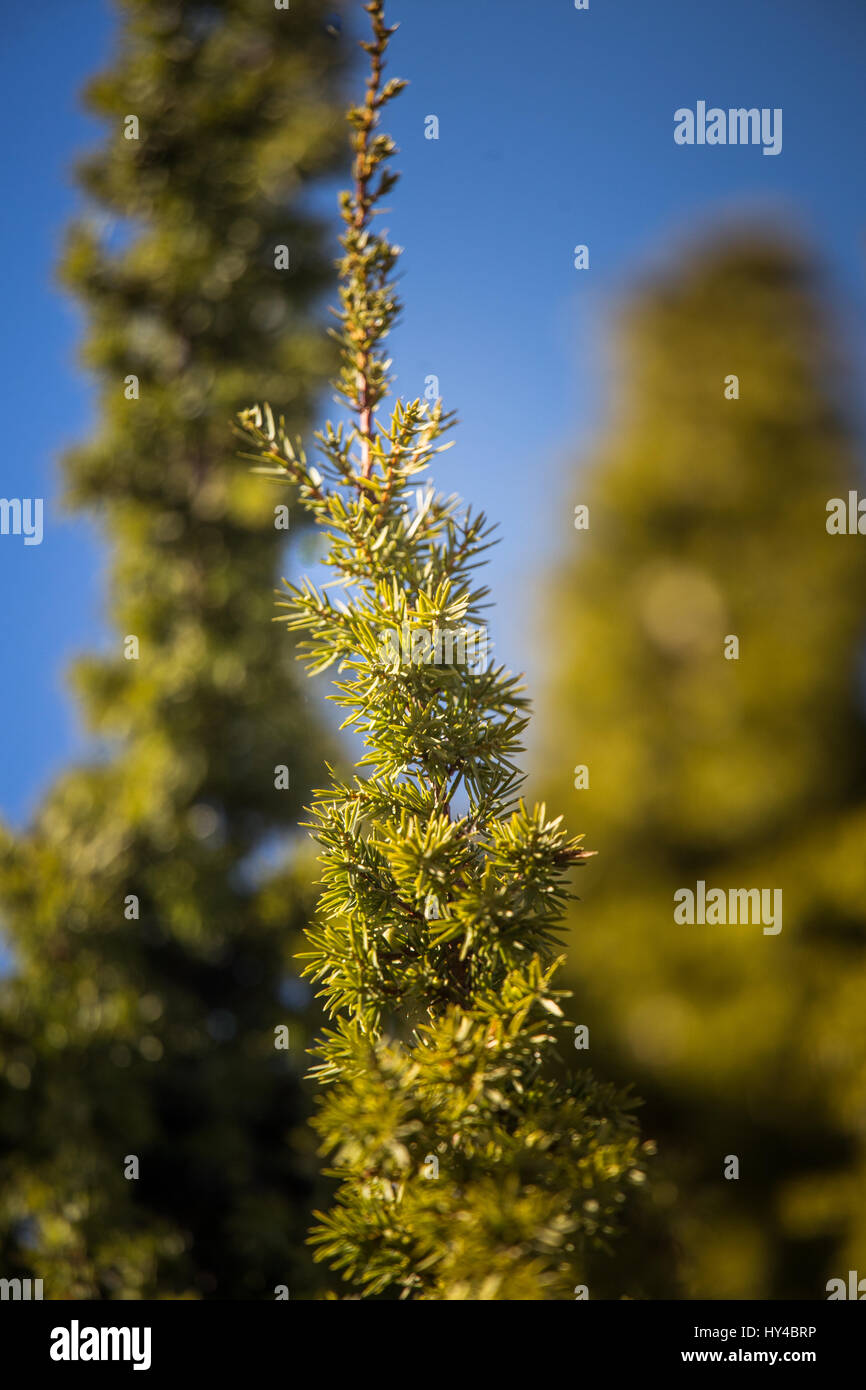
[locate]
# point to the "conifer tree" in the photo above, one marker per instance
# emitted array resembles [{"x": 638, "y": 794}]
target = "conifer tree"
[
  {"x": 474, "y": 1158},
  {"x": 147, "y": 1111},
  {"x": 707, "y": 501}
]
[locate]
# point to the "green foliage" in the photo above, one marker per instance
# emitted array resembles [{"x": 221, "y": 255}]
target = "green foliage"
[
  {"x": 154, "y": 1036},
  {"x": 471, "y": 1164},
  {"x": 707, "y": 518}
]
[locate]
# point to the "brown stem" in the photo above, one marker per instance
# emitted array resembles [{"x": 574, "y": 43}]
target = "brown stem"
[{"x": 362, "y": 174}]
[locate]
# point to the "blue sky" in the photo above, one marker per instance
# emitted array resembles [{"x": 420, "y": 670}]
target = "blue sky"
[{"x": 556, "y": 128}]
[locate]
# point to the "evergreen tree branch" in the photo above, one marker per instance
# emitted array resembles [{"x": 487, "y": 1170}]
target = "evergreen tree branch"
[{"x": 438, "y": 926}]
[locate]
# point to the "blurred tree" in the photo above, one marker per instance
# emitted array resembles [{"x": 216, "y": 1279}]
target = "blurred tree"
[
  {"x": 707, "y": 509},
  {"x": 149, "y": 921}
]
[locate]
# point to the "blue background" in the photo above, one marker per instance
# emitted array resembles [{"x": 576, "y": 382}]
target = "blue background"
[{"x": 556, "y": 128}]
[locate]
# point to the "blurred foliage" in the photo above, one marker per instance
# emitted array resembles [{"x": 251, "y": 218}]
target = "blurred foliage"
[
  {"x": 707, "y": 518},
  {"x": 155, "y": 1036}
]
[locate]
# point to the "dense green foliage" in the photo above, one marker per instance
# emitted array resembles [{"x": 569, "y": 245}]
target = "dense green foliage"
[
  {"x": 475, "y": 1159},
  {"x": 708, "y": 518},
  {"x": 153, "y": 1034}
]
